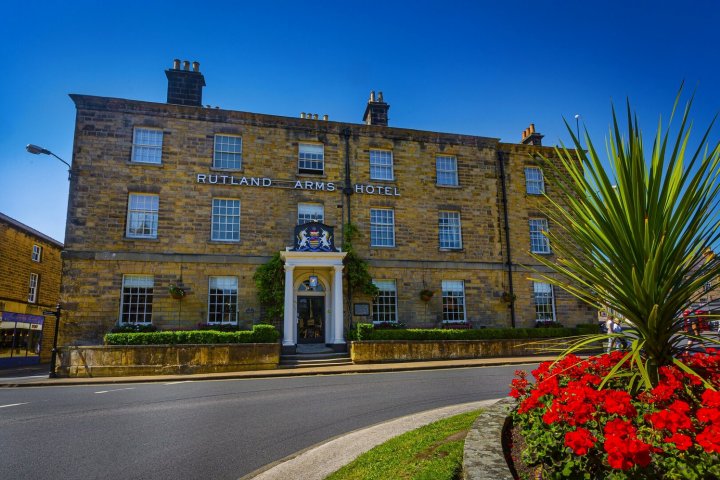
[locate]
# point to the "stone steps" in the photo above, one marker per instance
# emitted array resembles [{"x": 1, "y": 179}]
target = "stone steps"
[{"x": 309, "y": 360}]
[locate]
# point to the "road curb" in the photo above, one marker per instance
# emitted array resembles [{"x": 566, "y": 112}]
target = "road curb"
[{"x": 320, "y": 460}]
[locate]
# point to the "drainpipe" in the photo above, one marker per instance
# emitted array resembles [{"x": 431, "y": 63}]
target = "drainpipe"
[
  {"x": 348, "y": 191},
  {"x": 501, "y": 162}
]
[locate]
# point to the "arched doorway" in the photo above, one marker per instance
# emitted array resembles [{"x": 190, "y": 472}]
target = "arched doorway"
[{"x": 311, "y": 318}]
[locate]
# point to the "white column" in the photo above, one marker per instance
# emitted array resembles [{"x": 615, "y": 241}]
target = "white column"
[
  {"x": 338, "y": 306},
  {"x": 289, "y": 320}
]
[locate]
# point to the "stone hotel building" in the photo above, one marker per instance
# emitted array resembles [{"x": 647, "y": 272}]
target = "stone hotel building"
[{"x": 182, "y": 194}]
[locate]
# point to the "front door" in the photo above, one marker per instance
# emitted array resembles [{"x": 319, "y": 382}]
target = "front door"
[{"x": 311, "y": 319}]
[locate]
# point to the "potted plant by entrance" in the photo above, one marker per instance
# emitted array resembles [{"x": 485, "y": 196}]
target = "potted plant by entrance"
[
  {"x": 426, "y": 295},
  {"x": 176, "y": 292}
]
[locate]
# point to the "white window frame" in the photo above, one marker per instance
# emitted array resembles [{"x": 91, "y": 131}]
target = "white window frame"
[
  {"x": 227, "y": 152},
  {"x": 382, "y": 230},
  {"x": 446, "y": 167},
  {"x": 36, "y": 253},
  {"x": 147, "y": 145},
  {"x": 142, "y": 208},
  {"x": 137, "y": 296},
  {"x": 539, "y": 242},
  {"x": 224, "y": 301},
  {"x": 534, "y": 181},
  {"x": 452, "y": 290},
  {"x": 310, "y": 157},
  {"x": 545, "y": 291},
  {"x": 382, "y": 165},
  {"x": 33, "y": 290},
  {"x": 385, "y": 303},
  {"x": 223, "y": 215},
  {"x": 450, "y": 224},
  {"x": 310, "y": 212}
]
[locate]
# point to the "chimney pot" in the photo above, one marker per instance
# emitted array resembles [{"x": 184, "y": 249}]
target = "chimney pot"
[
  {"x": 176, "y": 64},
  {"x": 380, "y": 97},
  {"x": 302, "y": 114},
  {"x": 186, "y": 65},
  {"x": 325, "y": 117},
  {"x": 372, "y": 95},
  {"x": 532, "y": 128},
  {"x": 315, "y": 116},
  {"x": 196, "y": 66}
]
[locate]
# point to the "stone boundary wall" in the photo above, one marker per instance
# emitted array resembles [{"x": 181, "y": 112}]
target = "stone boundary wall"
[
  {"x": 483, "y": 456},
  {"x": 125, "y": 360},
  {"x": 421, "y": 350}
]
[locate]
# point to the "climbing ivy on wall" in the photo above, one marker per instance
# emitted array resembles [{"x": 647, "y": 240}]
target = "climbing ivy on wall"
[
  {"x": 356, "y": 268},
  {"x": 270, "y": 282}
]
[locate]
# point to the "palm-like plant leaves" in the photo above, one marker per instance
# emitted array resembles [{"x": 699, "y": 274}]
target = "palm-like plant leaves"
[{"x": 637, "y": 239}]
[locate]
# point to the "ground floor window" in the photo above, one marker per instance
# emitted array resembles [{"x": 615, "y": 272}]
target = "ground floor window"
[
  {"x": 137, "y": 297},
  {"x": 453, "y": 300},
  {"x": 544, "y": 302},
  {"x": 222, "y": 300},
  {"x": 385, "y": 303}
]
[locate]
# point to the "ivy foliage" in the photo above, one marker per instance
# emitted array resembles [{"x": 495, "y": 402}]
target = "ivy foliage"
[
  {"x": 270, "y": 282},
  {"x": 356, "y": 268}
]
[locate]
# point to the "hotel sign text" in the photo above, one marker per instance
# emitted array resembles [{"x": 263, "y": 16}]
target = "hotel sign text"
[{"x": 214, "y": 179}]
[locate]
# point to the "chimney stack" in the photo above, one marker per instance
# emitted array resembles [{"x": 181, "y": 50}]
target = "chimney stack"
[
  {"x": 376, "y": 112},
  {"x": 531, "y": 137},
  {"x": 184, "y": 85}
]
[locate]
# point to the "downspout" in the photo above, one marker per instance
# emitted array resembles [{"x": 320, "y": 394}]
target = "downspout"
[
  {"x": 501, "y": 162},
  {"x": 347, "y": 191}
]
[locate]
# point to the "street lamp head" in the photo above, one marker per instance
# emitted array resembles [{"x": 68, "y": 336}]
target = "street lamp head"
[{"x": 35, "y": 150}]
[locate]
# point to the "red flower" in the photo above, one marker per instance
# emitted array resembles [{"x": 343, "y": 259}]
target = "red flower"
[
  {"x": 709, "y": 415},
  {"x": 709, "y": 439},
  {"x": 682, "y": 442},
  {"x": 711, "y": 398},
  {"x": 672, "y": 419},
  {"x": 621, "y": 429},
  {"x": 580, "y": 441},
  {"x": 618, "y": 402}
]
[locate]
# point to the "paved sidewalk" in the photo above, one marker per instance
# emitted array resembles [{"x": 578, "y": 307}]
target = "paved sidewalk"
[
  {"x": 34, "y": 380},
  {"x": 319, "y": 461}
]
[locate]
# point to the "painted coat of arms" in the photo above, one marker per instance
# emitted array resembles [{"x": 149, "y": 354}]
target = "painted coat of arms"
[{"x": 314, "y": 237}]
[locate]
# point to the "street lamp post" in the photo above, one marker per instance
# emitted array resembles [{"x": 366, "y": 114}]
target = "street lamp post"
[
  {"x": 53, "y": 356},
  {"x": 35, "y": 150}
]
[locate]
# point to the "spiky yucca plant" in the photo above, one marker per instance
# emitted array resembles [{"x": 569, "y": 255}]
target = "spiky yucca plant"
[{"x": 636, "y": 239}]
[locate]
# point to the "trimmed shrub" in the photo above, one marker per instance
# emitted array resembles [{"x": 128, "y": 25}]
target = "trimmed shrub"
[
  {"x": 133, "y": 328},
  {"x": 259, "y": 334},
  {"x": 588, "y": 329}
]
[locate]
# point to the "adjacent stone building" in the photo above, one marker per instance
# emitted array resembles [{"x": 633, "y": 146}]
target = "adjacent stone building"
[
  {"x": 184, "y": 195},
  {"x": 30, "y": 269}
]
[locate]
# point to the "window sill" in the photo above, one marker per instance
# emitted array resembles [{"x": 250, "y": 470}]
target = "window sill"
[
  {"x": 541, "y": 253},
  {"x": 383, "y": 180},
  {"x": 224, "y": 242},
  {"x": 228, "y": 170},
  {"x": 145, "y": 164},
  {"x": 142, "y": 239},
  {"x": 383, "y": 247},
  {"x": 451, "y": 249},
  {"x": 447, "y": 186},
  {"x": 311, "y": 175}
]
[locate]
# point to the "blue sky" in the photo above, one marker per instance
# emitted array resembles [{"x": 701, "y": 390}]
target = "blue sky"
[{"x": 480, "y": 68}]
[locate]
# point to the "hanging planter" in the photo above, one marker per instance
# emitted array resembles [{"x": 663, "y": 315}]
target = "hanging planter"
[
  {"x": 508, "y": 297},
  {"x": 176, "y": 292},
  {"x": 426, "y": 295}
]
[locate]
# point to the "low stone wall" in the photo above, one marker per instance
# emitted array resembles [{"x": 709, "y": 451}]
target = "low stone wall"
[
  {"x": 409, "y": 350},
  {"x": 483, "y": 456},
  {"x": 116, "y": 360}
]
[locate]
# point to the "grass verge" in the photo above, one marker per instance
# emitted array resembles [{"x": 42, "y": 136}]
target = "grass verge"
[{"x": 432, "y": 452}]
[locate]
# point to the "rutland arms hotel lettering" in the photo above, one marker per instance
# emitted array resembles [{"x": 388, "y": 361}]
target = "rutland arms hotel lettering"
[{"x": 298, "y": 185}]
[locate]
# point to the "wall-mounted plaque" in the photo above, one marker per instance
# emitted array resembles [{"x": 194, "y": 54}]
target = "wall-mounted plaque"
[{"x": 361, "y": 309}]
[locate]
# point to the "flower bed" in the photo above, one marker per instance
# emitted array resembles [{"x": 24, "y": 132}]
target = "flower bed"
[{"x": 572, "y": 429}]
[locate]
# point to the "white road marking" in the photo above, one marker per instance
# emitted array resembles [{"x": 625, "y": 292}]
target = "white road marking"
[
  {"x": 116, "y": 390},
  {"x": 175, "y": 383},
  {"x": 14, "y": 404}
]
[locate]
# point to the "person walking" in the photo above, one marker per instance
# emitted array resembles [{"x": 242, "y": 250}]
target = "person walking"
[
  {"x": 693, "y": 328},
  {"x": 610, "y": 329}
]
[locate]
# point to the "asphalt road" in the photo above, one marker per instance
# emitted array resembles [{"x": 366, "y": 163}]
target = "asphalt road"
[{"x": 211, "y": 429}]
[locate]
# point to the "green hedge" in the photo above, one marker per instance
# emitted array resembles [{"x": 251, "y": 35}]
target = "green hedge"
[
  {"x": 365, "y": 331},
  {"x": 259, "y": 334}
]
